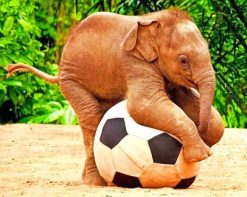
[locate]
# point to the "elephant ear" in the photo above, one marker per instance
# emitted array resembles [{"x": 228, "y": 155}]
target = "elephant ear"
[{"x": 140, "y": 40}]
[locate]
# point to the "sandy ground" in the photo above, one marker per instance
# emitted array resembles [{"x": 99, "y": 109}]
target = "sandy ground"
[{"x": 38, "y": 160}]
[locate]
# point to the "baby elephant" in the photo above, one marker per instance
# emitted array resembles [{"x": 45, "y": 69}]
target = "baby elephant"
[{"x": 159, "y": 62}]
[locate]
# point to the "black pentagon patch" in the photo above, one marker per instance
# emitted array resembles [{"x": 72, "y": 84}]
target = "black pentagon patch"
[
  {"x": 185, "y": 183},
  {"x": 124, "y": 180},
  {"x": 164, "y": 148},
  {"x": 113, "y": 132}
]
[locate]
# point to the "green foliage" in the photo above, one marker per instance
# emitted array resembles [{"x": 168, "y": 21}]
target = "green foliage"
[
  {"x": 34, "y": 32},
  {"x": 26, "y": 98}
]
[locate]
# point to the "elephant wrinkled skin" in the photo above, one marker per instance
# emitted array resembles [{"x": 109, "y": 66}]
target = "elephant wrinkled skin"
[{"x": 159, "y": 62}]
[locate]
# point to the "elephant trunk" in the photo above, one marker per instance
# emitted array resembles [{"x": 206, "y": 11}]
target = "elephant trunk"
[{"x": 206, "y": 88}]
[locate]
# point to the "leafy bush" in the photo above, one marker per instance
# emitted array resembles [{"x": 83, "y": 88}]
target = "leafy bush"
[
  {"x": 35, "y": 32},
  {"x": 26, "y": 98}
]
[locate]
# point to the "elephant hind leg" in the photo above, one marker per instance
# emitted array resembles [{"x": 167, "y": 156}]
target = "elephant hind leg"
[
  {"x": 89, "y": 115},
  {"x": 188, "y": 100}
]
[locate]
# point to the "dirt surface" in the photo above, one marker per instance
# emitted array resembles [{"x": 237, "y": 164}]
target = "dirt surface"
[{"x": 38, "y": 160}]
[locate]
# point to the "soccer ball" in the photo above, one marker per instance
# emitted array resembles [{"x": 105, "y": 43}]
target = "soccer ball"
[{"x": 131, "y": 155}]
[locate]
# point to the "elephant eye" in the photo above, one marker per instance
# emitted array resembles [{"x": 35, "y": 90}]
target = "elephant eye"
[{"x": 184, "y": 61}]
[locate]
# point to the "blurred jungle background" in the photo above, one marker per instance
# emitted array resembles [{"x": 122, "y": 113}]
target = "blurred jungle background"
[{"x": 34, "y": 32}]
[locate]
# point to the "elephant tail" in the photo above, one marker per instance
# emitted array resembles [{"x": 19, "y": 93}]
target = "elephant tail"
[{"x": 12, "y": 68}]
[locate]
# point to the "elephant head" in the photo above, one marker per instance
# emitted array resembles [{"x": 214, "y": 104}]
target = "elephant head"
[{"x": 172, "y": 42}]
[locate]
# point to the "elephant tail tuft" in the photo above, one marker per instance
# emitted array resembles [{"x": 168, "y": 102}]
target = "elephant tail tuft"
[{"x": 12, "y": 68}]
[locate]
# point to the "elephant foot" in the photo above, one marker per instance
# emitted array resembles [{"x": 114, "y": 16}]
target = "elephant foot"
[
  {"x": 91, "y": 176},
  {"x": 93, "y": 179},
  {"x": 197, "y": 152}
]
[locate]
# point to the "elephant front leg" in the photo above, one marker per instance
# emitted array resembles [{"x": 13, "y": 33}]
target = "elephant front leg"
[{"x": 149, "y": 105}]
